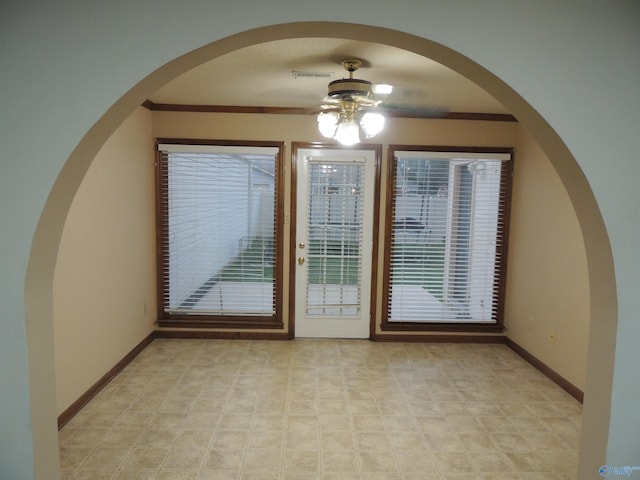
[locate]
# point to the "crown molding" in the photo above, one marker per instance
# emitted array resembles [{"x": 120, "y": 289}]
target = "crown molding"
[{"x": 396, "y": 113}]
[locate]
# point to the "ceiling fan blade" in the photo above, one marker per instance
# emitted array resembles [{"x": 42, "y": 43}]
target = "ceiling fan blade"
[
  {"x": 398, "y": 94},
  {"x": 406, "y": 102},
  {"x": 413, "y": 111},
  {"x": 331, "y": 101}
]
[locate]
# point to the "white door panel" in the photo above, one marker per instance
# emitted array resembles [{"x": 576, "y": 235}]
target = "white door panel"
[{"x": 334, "y": 241}]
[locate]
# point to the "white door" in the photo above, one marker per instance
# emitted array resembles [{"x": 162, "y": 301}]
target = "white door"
[{"x": 334, "y": 240}]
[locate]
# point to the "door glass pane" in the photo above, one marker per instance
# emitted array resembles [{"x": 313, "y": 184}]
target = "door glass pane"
[{"x": 335, "y": 238}]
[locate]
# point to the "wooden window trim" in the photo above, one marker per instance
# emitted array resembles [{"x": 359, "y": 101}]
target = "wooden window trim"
[{"x": 239, "y": 322}]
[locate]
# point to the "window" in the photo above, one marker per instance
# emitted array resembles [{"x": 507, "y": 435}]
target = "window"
[
  {"x": 219, "y": 239},
  {"x": 335, "y": 231},
  {"x": 445, "y": 260}
]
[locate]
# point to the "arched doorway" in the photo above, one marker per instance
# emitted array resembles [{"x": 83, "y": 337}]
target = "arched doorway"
[{"x": 47, "y": 237}]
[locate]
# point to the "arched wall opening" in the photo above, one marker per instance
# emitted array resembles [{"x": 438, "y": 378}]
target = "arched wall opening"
[{"x": 38, "y": 293}]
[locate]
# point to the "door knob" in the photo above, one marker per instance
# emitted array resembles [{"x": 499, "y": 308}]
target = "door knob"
[{"x": 300, "y": 260}]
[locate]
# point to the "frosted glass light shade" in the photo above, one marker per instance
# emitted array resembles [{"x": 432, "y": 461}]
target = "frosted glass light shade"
[
  {"x": 372, "y": 124},
  {"x": 344, "y": 126},
  {"x": 348, "y": 133},
  {"x": 327, "y": 123}
]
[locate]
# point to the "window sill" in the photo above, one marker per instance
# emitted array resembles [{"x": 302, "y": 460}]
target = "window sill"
[
  {"x": 236, "y": 323},
  {"x": 441, "y": 327}
]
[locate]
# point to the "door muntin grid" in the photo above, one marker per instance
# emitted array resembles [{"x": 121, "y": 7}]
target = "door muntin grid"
[{"x": 335, "y": 237}]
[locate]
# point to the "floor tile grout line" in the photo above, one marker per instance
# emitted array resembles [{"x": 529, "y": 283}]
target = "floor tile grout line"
[
  {"x": 137, "y": 443},
  {"x": 254, "y": 413},
  {"x": 182, "y": 429},
  {"x": 81, "y": 464}
]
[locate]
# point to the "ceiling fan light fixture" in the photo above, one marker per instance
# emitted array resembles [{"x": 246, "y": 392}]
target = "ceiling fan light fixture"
[
  {"x": 344, "y": 126},
  {"x": 353, "y": 97}
]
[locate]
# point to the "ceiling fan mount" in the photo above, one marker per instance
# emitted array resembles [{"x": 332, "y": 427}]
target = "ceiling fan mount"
[
  {"x": 351, "y": 64},
  {"x": 352, "y": 89}
]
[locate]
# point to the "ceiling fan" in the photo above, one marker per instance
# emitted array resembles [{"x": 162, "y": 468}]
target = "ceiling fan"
[{"x": 354, "y": 104}]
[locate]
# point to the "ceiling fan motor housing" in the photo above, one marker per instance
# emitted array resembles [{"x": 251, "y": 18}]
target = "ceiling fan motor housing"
[{"x": 349, "y": 87}]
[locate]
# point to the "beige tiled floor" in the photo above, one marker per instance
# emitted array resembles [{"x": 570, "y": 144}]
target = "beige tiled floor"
[{"x": 324, "y": 410}]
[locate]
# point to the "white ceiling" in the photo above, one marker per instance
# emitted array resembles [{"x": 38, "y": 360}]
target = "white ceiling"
[{"x": 261, "y": 76}]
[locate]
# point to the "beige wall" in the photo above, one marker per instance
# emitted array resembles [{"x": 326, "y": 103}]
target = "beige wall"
[
  {"x": 104, "y": 286},
  {"x": 547, "y": 305}
]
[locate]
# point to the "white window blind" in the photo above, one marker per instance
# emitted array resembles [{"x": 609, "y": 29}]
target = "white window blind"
[
  {"x": 447, "y": 236},
  {"x": 217, "y": 229},
  {"x": 335, "y": 223}
]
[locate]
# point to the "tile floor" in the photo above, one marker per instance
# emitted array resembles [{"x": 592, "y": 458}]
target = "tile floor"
[{"x": 324, "y": 410}]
